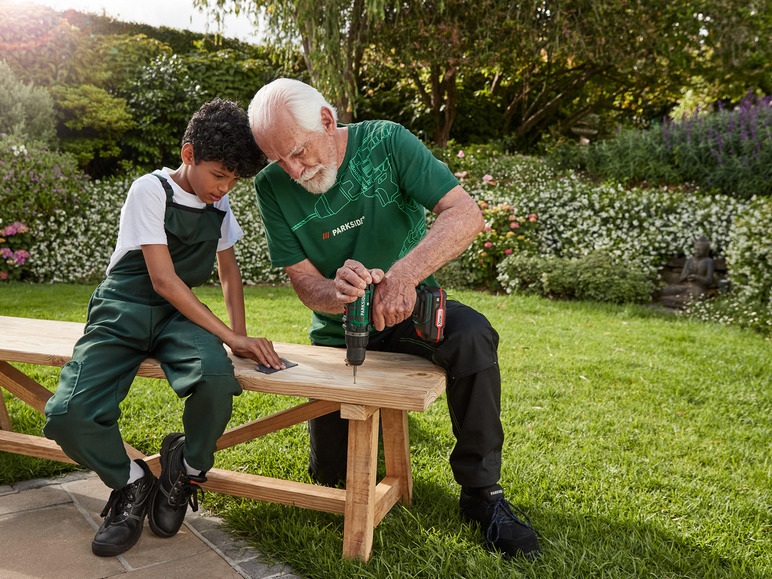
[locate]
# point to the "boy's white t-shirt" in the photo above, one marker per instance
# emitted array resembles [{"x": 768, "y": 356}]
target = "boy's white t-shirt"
[{"x": 143, "y": 214}]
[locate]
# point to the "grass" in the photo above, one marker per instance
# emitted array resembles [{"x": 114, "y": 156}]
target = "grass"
[{"x": 638, "y": 444}]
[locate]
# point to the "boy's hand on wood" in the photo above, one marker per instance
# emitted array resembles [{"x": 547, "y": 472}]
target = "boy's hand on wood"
[{"x": 258, "y": 349}]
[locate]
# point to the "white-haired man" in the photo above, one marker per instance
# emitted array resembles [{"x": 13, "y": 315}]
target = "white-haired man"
[{"x": 344, "y": 206}]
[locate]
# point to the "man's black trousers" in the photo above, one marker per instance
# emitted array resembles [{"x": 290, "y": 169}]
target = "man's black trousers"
[{"x": 469, "y": 355}]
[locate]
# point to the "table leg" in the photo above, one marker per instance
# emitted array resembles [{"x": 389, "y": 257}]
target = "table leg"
[
  {"x": 396, "y": 450},
  {"x": 360, "y": 487},
  {"x": 5, "y": 419}
]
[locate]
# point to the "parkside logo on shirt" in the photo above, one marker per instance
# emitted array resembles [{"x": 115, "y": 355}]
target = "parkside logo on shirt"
[{"x": 353, "y": 224}]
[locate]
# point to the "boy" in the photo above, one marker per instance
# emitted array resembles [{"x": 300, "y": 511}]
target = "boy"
[{"x": 173, "y": 225}]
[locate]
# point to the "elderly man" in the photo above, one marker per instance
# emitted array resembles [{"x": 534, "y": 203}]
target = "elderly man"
[{"x": 344, "y": 206}]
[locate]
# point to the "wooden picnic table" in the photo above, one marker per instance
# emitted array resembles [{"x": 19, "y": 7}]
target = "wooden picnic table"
[{"x": 388, "y": 386}]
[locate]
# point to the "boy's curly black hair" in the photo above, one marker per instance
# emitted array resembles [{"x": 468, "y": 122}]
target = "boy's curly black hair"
[{"x": 219, "y": 131}]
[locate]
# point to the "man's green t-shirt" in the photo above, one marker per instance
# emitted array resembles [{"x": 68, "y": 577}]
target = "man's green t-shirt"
[{"x": 375, "y": 213}]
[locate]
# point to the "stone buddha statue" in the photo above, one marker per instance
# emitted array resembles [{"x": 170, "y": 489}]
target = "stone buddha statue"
[{"x": 695, "y": 279}]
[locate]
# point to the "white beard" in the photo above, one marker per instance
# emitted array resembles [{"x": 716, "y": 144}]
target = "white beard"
[{"x": 320, "y": 181}]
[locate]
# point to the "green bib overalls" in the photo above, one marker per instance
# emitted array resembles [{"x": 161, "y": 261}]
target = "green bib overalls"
[{"x": 128, "y": 322}]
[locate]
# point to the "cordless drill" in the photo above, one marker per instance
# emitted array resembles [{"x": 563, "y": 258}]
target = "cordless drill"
[{"x": 428, "y": 317}]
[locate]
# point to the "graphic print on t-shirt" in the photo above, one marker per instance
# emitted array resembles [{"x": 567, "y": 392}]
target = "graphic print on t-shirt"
[{"x": 370, "y": 174}]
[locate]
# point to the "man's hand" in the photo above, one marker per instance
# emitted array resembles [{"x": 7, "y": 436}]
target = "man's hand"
[
  {"x": 258, "y": 349},
  {"x": 393, "y": 301},
  {"x": 352, "y": 278}
]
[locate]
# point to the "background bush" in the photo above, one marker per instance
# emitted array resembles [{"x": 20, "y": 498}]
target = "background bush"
[
  {"x": 26, "y": 111},
  {"x": 37, "y": 181},
  {"x": 14, "y": 251},
  {"x": 645, "y": 227},
  {"x": 750, "y": 258},
  {"x": 75, "y": 246},
  {"x": 726, "y": 150},
  {"x": 505, "y": 233},
  {"x": 595, "y": 277},
  {"x": 640, "y": 229}
]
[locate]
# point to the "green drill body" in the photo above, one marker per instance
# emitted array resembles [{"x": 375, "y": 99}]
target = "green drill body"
[{"x": 428, "y": 316}]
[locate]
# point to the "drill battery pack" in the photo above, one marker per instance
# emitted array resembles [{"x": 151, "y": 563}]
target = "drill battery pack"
[{"x": 429, "y": 312}]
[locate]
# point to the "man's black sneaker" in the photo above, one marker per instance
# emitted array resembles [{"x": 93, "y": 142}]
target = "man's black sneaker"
[
  {"x": 501, "y": 529},
  {"x": 124, "y": 516},
  {"x": 176, "y": 489}
]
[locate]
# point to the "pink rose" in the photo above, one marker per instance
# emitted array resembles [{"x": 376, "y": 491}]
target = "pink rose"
[
  {"x": 507, "y": 251},
  {"x": 461, "y": 154},
  {"x": 488, "y": 244},
  {"x": 487, "y": 178},
  {"x": 514, "y": 225}
]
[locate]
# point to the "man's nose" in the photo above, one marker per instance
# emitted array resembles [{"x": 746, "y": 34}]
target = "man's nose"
[{"x": 294, "y": 168}]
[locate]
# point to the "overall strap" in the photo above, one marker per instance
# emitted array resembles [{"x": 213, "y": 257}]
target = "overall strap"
[
  {"x": 170, "y": 199},
  {"x": 167, "y": 187}
]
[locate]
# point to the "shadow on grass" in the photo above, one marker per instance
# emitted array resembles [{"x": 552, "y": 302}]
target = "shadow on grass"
[{"x": 429, "y": 539}]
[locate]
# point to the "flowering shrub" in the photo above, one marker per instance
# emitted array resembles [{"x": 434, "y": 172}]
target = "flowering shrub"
[
  {"x": 14, "y": 244},
  {"x": 37, "y": 181},
  {"x": 252, "y": 249},
  {"x": 505, "y": 233},
  {"x": 750, "y": 252},
  {"x": 642, "y": 228},
  {"x": 75, "y": 247},
  {"x": 727, "y": 150}
]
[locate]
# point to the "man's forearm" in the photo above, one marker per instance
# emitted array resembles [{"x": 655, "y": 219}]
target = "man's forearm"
[
  {"x": 452, "y": 232},
  {"x": 317, "y": 293}
]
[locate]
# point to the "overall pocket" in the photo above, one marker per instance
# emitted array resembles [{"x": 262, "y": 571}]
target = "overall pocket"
[{"x": 68, "y": 380}]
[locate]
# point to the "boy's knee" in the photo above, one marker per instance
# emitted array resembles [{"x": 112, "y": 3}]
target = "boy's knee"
[
  {"x": 71, "y": 422},
  {"x": 218, "y": 387}
]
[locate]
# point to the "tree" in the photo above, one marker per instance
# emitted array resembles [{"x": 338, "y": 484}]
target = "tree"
[
  {"x": 26, "y": 111},
  {"x": 439, "y": 44},
  {"x": 332, "y": 36},
  {"x": 92, "y": 124}
]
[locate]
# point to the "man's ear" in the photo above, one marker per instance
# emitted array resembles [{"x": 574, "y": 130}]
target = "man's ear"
[
  {"x": 328, "y": 121},
  {"x": 187, "y": 154}
]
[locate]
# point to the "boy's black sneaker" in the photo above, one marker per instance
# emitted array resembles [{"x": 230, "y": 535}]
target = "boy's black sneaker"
[
  {"x": 124, "y": 516},
  {"x": 501, "y": 528},
  {"x": 176, "y": 489}
]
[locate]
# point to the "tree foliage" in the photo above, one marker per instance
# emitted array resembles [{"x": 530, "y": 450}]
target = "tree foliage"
[
  {"x": 26, "y": 111},
  {"x": 92, "y": 124},
  {"x": 449, "y": 70},
  {"x": 544, "y": 65},
  {"x": 331, "y": 35}
]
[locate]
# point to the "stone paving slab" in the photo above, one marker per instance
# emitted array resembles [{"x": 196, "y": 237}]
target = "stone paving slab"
[{"x": 46, "y": 528}]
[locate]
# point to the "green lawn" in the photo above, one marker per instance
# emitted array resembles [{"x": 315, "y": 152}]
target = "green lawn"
[{"x": 638, "y": 443}]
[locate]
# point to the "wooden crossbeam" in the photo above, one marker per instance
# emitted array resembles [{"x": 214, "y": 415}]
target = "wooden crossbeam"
[{"x": 275, "y": 422}]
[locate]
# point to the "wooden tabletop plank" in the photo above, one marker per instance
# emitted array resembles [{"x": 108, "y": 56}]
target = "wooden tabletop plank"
[{"x": 386, "y": 380}]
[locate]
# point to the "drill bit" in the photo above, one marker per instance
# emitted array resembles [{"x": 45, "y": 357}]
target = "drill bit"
[{"x": 355, "y": 374}]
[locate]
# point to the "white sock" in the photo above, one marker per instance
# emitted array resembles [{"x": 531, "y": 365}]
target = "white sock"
[
  {"x": 136, "y": 472},
  {"x": 189, "y": 469}
]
